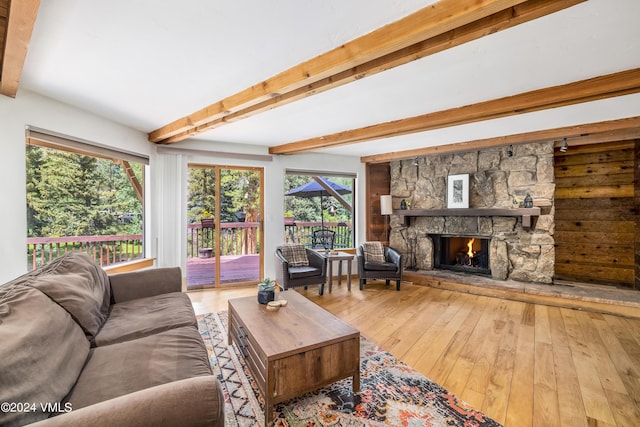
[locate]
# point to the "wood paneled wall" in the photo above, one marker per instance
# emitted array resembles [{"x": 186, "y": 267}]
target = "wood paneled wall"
[
  {"x": 595, "y": 215},
  {"x": 637, "y": 211},
  {"x": 378, "y": 184},
  {"x": 4, "y": 15}
]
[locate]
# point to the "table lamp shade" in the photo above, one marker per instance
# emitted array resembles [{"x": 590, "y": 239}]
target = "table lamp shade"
[{"x": 386, "y": 207}]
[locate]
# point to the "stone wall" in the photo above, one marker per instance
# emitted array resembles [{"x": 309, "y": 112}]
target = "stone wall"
[{"x": 496, "y": 180}]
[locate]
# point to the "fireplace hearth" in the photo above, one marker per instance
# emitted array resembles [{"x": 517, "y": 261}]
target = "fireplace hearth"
[{"x": 468, "y": 254}]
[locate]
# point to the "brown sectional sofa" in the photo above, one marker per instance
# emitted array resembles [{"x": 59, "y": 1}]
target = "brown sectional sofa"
[{"x": 102, "y": 349}]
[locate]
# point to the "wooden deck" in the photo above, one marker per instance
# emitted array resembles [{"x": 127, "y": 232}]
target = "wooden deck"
[{"x": 201, "y": 272}]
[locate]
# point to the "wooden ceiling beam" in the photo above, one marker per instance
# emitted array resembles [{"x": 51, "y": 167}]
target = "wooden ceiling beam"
[
  {"x": 499, "y": 21},
  {"x": 491, "y": 24},
  {"x": 431, "y": 21},
  {"x": 611, "y": 85},
  {"x": 22, "y": 18},
  {"x": 591, "y": 133}
]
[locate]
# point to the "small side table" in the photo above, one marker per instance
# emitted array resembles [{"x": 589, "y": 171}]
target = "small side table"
[{"x": 340, "y": 256}]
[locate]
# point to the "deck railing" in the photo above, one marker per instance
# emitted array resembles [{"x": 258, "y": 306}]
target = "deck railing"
[
  {"x": 302, "y": 232},
  {"x": 241, "y": 238},
  {"x": 105, "y": 250},
  {"x": 237, "y": 238}
]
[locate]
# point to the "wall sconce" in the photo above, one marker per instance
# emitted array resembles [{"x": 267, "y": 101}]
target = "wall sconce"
[
  {"x": 565, "y": 146},
  {"x": 510, "y": 150},
  {"x": 386, "y": 209}
]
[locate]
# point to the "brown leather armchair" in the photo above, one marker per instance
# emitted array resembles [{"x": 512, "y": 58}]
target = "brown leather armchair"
[
  {"x": 289, "y": 276},
  {"x": 389, "y": 269}
]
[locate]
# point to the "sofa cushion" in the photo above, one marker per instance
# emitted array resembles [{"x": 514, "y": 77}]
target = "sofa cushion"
[
  {"x": 42, "y": 351},
  {"x": 79, "y": 285},
  {"x": 295, "y": 254},
  {"x": 145, "y": 316},
  {"x": 373, "y": 251},
  {"x": 144, "y": 283},
  {"x": 122, "y": 368}
]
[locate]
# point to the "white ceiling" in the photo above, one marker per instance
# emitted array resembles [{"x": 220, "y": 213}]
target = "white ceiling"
[{"x": 145, "y": 63}]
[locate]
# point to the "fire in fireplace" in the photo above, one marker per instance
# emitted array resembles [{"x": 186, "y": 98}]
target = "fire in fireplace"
[{"x": 468, "y": 254}]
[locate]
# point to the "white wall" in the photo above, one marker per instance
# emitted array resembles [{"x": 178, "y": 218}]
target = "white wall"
[
  {"x": 170, "y": 172},
  {"x": 166, "y": 210}
]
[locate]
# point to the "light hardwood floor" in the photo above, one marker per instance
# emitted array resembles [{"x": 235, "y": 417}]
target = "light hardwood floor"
[{"x": 522, "y": 364}]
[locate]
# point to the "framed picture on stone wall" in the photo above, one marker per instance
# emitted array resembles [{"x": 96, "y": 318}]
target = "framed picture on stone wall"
[{"x": 458, "y": 191}]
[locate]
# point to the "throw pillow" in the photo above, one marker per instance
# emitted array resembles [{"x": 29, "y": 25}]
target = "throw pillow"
[
  {"x": 373, "y": 251},
  {"x": 295, "y": 254}
]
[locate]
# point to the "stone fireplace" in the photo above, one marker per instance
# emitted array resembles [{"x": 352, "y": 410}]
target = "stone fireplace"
[{"x": 511, "y": 243}]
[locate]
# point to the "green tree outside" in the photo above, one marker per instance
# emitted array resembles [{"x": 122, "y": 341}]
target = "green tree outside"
[{"x": 75, "y": 195}]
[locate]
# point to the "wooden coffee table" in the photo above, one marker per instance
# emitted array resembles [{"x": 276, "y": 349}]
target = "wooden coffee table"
[{"x": 295, "y": 349}]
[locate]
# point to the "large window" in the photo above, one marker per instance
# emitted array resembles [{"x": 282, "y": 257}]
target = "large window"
[
  {"x": 319, "y": 209},
  {"x": 82, "y": 198}
]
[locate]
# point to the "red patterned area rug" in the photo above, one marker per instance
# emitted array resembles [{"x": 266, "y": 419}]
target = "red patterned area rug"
[{"x": 391, "y": 393}]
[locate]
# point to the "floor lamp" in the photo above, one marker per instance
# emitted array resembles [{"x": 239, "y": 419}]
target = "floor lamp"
[{"x": 386, "y": 209}]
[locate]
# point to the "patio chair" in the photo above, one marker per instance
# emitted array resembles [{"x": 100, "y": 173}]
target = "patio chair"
[
  {"x": 323, "y": 239},
  {"x": 376, "y": 261},
  {"x": 299, "y": 266},
  {"x": 343, "y": 236}
]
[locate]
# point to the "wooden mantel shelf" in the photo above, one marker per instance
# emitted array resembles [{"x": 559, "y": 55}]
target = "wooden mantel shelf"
[{"x": 526, "y": 213}]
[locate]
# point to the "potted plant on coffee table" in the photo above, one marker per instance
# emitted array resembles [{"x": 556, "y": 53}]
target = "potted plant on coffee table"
[{"x": 266, "y": 290}]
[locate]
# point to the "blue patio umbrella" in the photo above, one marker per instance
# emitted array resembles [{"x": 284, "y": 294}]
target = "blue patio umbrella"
[{"x": 314, "y": 189}]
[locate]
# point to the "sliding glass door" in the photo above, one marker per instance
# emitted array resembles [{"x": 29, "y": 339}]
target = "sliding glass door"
[{"x": 224, "y": 232}]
